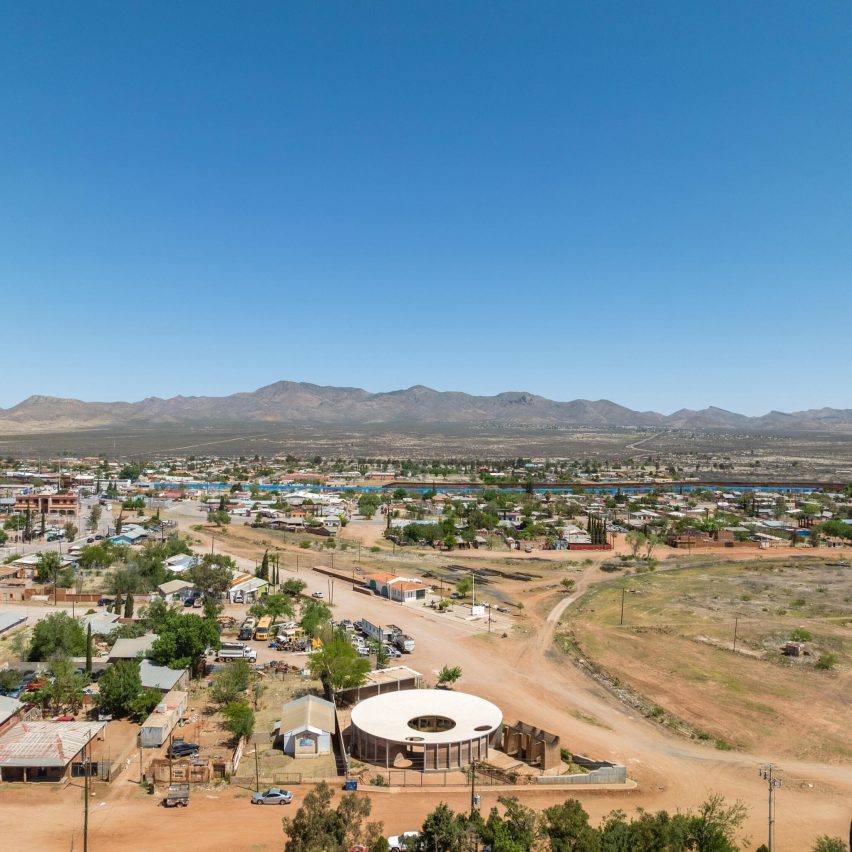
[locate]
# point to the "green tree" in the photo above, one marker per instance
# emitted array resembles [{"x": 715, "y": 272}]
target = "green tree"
[
  {"x": 212, "y": 575},
  {"x": 464, "y": 586},
  {"x": 58, "y": 634},
  {"x": 338, "y": 664},
  {"x": 239, "y": 719},
  {"x": 183, "y": 639},
  {"x": 120, "y": 686},
  {"x": 293, "y": 587},
  {"x": 315, "y": 617},
  {"x": 829, "y": 844},
  {"x": 128, "y": 606},
  {"x": 49, "y": 566},
  {"x": 568, "y": 830},
  {"x": 65, "y": 689},
  {"x": 275, "y": 606},
  {"x": 9, "y": 679},
  {"x": 449, "y": 675},
  {"x": 231, "y": 681},
  {"x": 317, "y": 827},
  {"x": 144, "y": 703},
  {"x": 442, "y": 829}
]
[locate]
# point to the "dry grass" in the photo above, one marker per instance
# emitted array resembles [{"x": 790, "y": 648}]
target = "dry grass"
[{"x": 675, "y": 648}]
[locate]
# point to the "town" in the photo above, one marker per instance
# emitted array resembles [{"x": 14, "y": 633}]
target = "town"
[{"x": 259, "y": 625}]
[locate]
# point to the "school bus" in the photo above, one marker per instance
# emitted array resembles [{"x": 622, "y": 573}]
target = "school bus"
[{"x": 261, "y": 632}]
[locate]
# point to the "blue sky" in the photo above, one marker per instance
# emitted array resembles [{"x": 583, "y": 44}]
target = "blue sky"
[{"x": 647, "y": 202}]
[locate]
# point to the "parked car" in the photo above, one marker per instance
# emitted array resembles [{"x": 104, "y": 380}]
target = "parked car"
[
  {"x": 272, "y": 796},
  {"x": 318, "y": 595},
  {"x": 190, "y": 601},
  {"x": 181, "y": 748}
]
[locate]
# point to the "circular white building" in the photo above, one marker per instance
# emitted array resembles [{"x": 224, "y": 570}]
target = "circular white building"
[{"x": 425, "y": 729}]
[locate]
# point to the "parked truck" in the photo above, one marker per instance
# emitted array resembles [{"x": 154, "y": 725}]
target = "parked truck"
[
  {"x": 404, "y": 642},
  {"x": 236, "y": 651}
]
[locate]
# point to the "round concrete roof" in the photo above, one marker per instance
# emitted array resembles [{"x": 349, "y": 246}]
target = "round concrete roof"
[{"x": 387, "y": 716}]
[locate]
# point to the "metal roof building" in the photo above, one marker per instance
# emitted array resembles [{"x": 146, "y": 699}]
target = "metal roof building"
[{"x": 43, "y": 751}]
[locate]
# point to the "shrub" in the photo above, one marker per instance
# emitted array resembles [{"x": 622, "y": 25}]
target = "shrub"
[
  {"x": 827, "y": 662},
  {"x": 800, "y": 635}
]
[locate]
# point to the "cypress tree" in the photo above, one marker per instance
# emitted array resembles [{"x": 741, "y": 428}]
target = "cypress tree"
[
  {"x": 128, "y": 606},
  {"x": 116, "y": 607},
  {"x": 263, "y": 571}
]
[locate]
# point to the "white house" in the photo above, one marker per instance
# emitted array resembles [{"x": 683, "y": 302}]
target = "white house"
[{"x": 306, "y": 726}]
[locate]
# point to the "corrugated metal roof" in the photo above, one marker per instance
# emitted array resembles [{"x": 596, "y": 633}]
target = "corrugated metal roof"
[
  {"x": 46, "y": 743},
  {"x": 309, "y": 711}
]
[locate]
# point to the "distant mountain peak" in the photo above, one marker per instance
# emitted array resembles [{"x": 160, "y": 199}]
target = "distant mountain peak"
[{"x": 293, "y": 404}]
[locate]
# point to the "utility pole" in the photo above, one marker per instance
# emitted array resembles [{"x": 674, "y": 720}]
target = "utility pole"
[
  {"x": 256, "y": 771},
  {"x": 623, "y": 590},
  {"x": 472, "y": 787},
  {"x": 86, "y": 764},
  {"x": 767, "y": 773},
  {"x": 736, "y": 619}
]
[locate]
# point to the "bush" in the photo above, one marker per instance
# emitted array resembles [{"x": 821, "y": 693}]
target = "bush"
[
  {"x": 827, "y": 662},
  {"x": 800, "y": 635},
  {"x": 305, "y": 544}
]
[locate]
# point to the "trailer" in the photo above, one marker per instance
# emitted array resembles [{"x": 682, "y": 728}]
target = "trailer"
[
  {"x": 177, "y": 796},
  {"x": 375, "y": 631}
]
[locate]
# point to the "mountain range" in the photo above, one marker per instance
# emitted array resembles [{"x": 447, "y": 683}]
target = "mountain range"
[{"x": 293, "y": 404}]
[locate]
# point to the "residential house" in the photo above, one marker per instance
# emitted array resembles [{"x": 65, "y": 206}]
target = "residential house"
[
  {"x": 246, "y": 587},
  {"x": 44, "y": 751},
  {"x": 175, "y": 590},
  {"x": 162, "y": 677},
  {"x": 132, "y": 649}
]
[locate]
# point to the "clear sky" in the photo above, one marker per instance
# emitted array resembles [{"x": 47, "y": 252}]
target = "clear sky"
[{"x": 646, "y": 202}]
